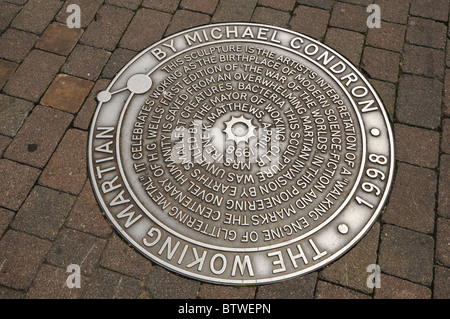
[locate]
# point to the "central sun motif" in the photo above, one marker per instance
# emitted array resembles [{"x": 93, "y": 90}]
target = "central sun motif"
[{"x": 239, "y": 129}]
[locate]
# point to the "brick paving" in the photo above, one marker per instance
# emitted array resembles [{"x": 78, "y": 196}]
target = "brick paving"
[{"x": 50, "y": 74}]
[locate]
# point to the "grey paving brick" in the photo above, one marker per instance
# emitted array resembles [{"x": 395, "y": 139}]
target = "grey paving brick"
[
  {"x": 442, "y": 241},
  {"x": 209, "y": 291},
  {"x": 432, "y": 9},
  {"x": 326, "y": 290},
  {"x": 426, "y": 32},
  {"x": 441, "y": 287},
  {"x": 271, "y": 17},
  {"x": 298, "y": 288},
  {"x": 406, "y": 254},
  {"x": 162, "y": 284},
  {"x": 147, "y": 27},
  {"x": 66, "y": 170},
  {"x": 86, "y": 62},
  {"x": 426, "y": 145},
  {"x": 4, "y": 143},
  {"x": 323, "y": 4},
  {"x": 394, "y": 10},
  {"x": 205, "y": 6},
  {"x": 129, "y": 4},
  {"x": 348, "y": 43},
  {"x": 387, "y": 93},
  {"x": 419, "y": 101},
  {"x": 310, "y": 21},
  {"x": 412, "y": 199},
  {"x": 445, "y": 144},
  {"x": 423, "y": 61},
  {"x": 351, "y": 269},
  {"x": 74, "y": 247},
  {"x": 86, "y": 215},
  {"x": 105, "y": 284},
  {"x": 43, "y": 212},
  {"x": 15, "y": 44},
  {"x": 7, "y": 293},
  {"x": 13, "y": 112},
  {"x": 36, "y": 15},
  {"x": 7, "y": 68},
  {"x": 20, "y": 255},
  {"x": 51, "y": 283},
  {"x": 444, "y": 187},
  {"x": 88, "y": 9},
  {"x": 6, "y": 217},
  {"x": 381, "y": 64},
  {"x": 39, "y": 136},
  {"x": 17, "y": 181},
  {"x": 107, "y": 29},
  {"x": 396, "y": 288},
  {"x": 390, "y": 36},
  {"x": 120, "y": 257},
  {"x": 7, "y": 12},
  {"x": 166, "y": 6},
  {"x": 349, "y": 16},
  {"x": 117, "y": 61},
  {"x": 34, "y": 75},
  {"x": 446, "y": 104},
  {"x": 285, "y": 5},
  {"x": 185, "y": 19},
  {"x": 234, "y": 10}
]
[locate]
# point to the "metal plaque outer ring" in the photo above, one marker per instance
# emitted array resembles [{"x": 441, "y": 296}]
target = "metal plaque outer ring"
[{"x": 229, "y": 281}]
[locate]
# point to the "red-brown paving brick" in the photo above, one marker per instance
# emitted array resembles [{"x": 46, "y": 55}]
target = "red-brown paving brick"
[
  {"x": 67, "y": 93},
  {"x": 60, "y": 39}
]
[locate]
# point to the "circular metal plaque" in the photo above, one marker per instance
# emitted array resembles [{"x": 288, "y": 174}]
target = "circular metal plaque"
[{"x": 241, "y": 154}]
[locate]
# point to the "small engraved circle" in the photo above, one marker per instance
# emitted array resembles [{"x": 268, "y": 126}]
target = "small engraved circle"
[
  {"x": 103, "y": 96},
  {"x": 343, "y": 229},
  {"x": 375, "y": 132},
  {"x": 139, "y": 83}
]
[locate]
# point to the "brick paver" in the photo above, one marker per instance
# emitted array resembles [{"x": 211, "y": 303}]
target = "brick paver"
[
  {"x": 38, "y": 138},
  {"x": 67, "y": 93},
  {"x": 310, "y": 21},
  {"x": 66, "y": 170},
  {"x": 43, "y": 212},
  {"x": 34, "y": 75},
  {"x": 49, "y": 78},
  {"x": 58, "y": 38}
]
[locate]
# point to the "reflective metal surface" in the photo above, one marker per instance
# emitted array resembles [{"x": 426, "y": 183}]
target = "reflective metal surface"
[{"x": 241, "y": 154}]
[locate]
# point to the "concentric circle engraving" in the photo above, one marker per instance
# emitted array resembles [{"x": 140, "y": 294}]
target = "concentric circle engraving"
[{"x": 241, "y": 154}]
